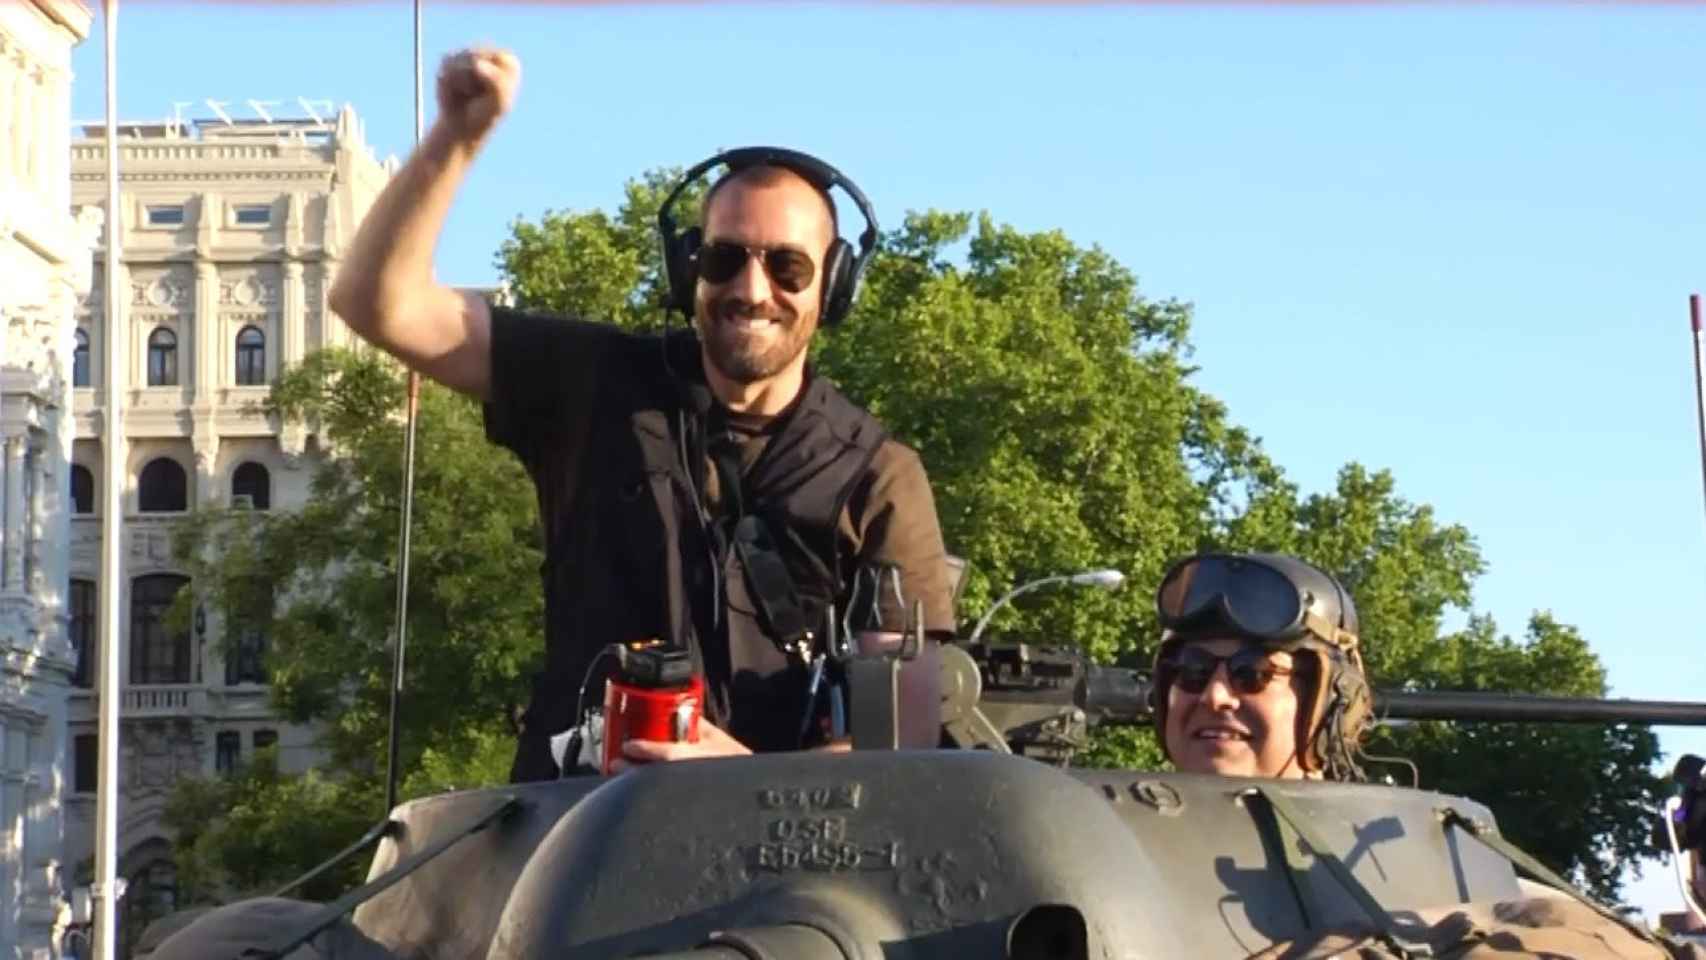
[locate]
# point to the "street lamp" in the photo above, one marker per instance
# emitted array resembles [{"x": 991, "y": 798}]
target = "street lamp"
[
  {"x": 75, "y": 924},
  {"x": 1108, "y": 579}
]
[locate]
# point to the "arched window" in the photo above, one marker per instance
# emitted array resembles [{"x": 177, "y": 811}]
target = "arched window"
[
  {"x": 251, "y": 357},
  {"x": 251, "y": 480},
  {"x": 82, "y": 604},
  {"x": 80, "y": 360},
  {"x": 82, "y": 490},
  {"x": 162, "y": 487},
  {"x": 162, "y": 358},
  {"x": 157, "y": 655}
]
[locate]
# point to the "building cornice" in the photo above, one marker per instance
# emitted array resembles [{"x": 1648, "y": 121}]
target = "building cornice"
[
  {"x": 73, "y": 15},
  {"x": 320, "y": 175},
  {"x": 136, "y": 255}
]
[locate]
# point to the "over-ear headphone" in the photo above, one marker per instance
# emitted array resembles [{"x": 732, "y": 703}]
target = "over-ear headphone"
[{"x": 843, "y": 270}]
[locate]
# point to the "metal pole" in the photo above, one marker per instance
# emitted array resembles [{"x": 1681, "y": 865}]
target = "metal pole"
[
  {"x": 1699, "y": 383},
  {"x": 105, "y": 892},
  {"x": 391, "y": 772}
]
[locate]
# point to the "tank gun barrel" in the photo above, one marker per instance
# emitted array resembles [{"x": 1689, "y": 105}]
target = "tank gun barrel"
[
  {"x": 1119, "y": 695},
  {"x": 1116, "y": 695},
  {"x": 1040, "y": 701},
  {"x": 1513, "y": 707},
  {"x": 1110, "y": 694}
]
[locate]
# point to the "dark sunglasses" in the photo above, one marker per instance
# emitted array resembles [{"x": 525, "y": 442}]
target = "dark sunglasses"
[
  {"x": 790, "y": 270},
  {"x": 1248, "y": 672}
]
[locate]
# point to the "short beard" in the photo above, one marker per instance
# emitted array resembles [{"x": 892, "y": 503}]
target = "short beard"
[{"x": 735, "y": 357}]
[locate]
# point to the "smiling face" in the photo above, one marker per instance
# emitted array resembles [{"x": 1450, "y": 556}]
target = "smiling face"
[
  {"x": 1224, "y": 731},
  {"x": 754, "y": 328}
]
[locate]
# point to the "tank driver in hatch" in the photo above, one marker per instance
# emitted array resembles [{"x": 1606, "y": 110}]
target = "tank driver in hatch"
[{"x": 1259, "y": 672}]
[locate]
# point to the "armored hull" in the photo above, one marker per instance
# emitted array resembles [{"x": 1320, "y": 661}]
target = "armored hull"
[{"x": 897, "y": 855}]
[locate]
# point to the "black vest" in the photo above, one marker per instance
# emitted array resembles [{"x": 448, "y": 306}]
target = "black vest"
[{"x": 635, "y": 556}]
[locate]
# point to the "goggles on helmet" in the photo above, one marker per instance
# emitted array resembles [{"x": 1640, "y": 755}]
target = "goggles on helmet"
[{"x": 1251, "y": 596}]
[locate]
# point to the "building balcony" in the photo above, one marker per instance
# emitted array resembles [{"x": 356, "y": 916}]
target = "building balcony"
[
  {"x": 165, "y": 700},
  {"x": 138, "y": 702},
  {"x": 184, "y": 700}
]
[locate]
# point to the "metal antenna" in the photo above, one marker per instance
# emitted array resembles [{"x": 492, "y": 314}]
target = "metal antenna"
[
  {"x": 1699, "y": 382},
  {"x": 408, "y": 507}
]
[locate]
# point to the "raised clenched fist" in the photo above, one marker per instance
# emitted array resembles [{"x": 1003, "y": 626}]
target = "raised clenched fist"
[{"x": 475, "y": 89}]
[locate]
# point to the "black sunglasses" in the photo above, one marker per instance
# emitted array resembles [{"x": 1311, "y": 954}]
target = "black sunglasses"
[
  {"x": 1248, "y": 672},
  {"x": 790, "y": 270}
]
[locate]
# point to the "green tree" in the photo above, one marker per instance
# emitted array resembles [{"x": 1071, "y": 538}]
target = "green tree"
[
  {"x": 253, "y": 832},
  {"x": 1055, "y": 410},
  {"x": 320, "y": 583},
  {"x": 1579, "y": 797},
  {"x": 328, "y": 571},
  {"x": 590, "y": 264}
]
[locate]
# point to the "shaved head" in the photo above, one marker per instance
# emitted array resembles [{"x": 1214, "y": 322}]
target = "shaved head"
[{"x": 766, "y": 176}]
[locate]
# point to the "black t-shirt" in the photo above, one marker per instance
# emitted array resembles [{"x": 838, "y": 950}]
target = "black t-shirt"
[{"x": 546, "y": 373}]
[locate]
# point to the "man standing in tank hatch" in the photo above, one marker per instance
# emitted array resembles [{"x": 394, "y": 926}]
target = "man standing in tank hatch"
[{"x": 676, "y": 474}]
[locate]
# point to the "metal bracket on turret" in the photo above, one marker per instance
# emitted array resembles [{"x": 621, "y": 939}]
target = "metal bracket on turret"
[
  {"x": 872, "y": 668},
  {"x": 962, "y": 688}
]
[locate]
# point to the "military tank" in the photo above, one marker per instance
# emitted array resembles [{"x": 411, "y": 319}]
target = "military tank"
[
  {"x": 991, "y": 848},
  {"x": 992, "y": 845}
]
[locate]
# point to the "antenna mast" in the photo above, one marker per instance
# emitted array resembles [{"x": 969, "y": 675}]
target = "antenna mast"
[
  {"x": 413, "y": 410},
  {"x": 1699, "y": 382}
]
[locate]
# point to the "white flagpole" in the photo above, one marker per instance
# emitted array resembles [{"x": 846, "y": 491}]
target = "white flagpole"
[{"x": 106, "y": 893}]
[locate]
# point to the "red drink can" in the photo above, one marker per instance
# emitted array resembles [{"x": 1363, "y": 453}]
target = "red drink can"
[{"x": 667, "y": 714}]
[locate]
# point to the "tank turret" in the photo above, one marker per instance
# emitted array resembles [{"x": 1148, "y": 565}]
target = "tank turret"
[{"x": 981, "y": 851}]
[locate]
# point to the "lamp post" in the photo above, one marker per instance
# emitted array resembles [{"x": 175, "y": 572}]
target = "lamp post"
[{"x": 1108, "y": 579}]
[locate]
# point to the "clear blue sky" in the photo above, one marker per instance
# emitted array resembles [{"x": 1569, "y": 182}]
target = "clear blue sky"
[{"x": 1452, "y": 242}]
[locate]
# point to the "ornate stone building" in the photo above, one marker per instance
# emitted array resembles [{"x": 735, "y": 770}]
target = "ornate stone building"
[
  {"x": 44, "y": 264},
  {"x": 233, "y": 228}
]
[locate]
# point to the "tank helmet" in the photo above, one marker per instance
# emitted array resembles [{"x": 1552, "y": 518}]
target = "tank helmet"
[{"x": 1282, "y": 603}]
